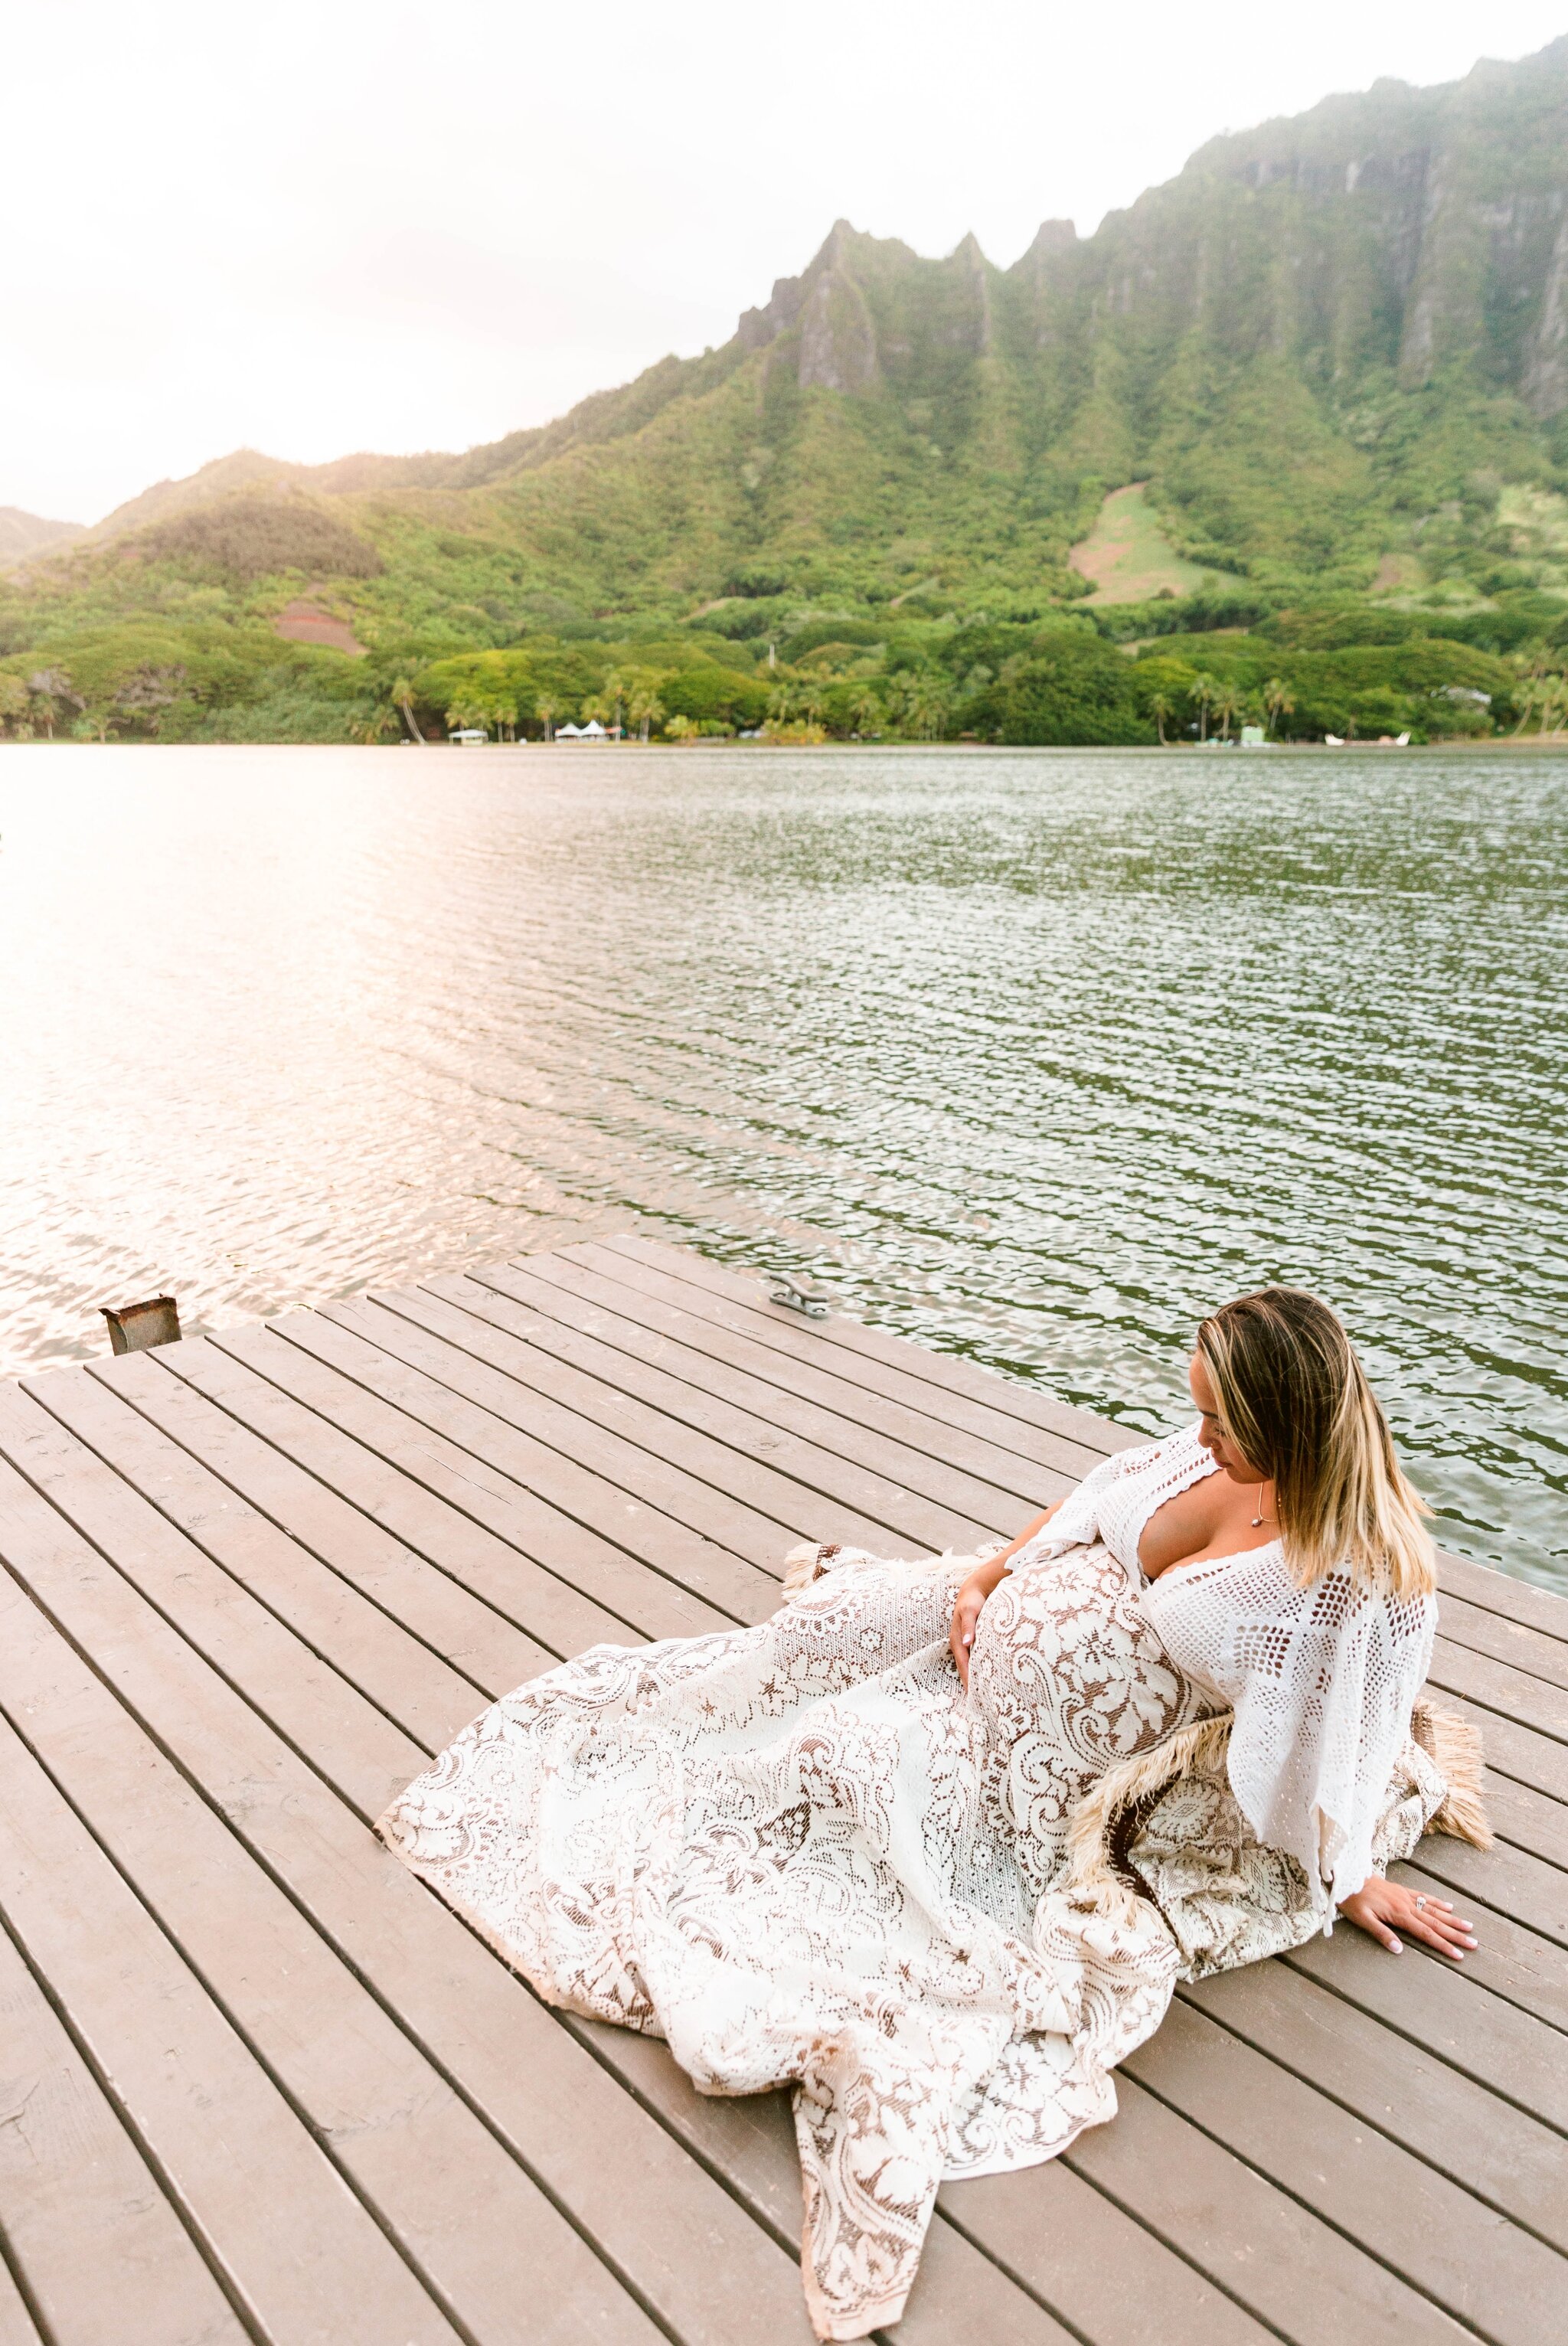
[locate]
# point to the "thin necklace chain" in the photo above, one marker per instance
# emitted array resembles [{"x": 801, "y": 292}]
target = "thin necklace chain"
[{"x": 1260, "y": 1518}]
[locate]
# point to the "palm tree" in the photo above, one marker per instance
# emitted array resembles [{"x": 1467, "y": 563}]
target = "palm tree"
[
  {"x": 865, "y": 712},
  {"x": 1227, "y": 703},
  {"x": 462, "y": 714},
  {"x": 1534, "y": 662},
  {"x": 546, "y": 709},
  {"x": 1161, "y": 706},
  {"x": 1205, "y": 690},
  {"x": 402, "y": 700},
  {"x": 372, "y": 729},
  {"x": 931, "y": 702},
  {"x": 614, "y": 691},
  {"x": 810, "y": 701},
  {"x": 782, "y": 704},
  {"x": 1527, "y": 701},
  {"x": 1278, "y": 701},
  {"x": 1543, "y": 697},
  {"x": 644, "y": 706},
  {"x": 921, "y": 701}
]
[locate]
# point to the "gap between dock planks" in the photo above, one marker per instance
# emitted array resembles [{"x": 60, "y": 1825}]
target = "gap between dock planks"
[{"x": 253, "y": 1581}]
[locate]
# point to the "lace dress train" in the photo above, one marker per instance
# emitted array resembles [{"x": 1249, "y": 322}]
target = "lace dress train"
[{"x": 804, "y": 1855}]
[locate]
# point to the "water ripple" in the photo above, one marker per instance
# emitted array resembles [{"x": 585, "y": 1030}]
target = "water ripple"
[{"x": 1035, "y": 1057}]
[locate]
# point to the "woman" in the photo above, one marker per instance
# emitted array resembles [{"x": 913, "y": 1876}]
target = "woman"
[{"x": 935, "y": 1843}]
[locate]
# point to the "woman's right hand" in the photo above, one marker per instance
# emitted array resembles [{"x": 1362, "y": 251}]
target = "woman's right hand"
[
  {"x": 986, "y": 1577},
  {"x": 967, "y": 1608}
]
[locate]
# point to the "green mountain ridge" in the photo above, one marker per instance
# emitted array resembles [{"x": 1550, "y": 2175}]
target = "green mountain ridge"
[{"x": 1333, "y": 350}]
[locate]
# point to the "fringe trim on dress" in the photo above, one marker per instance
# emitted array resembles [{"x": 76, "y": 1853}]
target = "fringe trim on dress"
[
  {"x": 1091, "y": 1877},
  {"x": 805, "y": 1564},
  {"x": 1454, "y": 1747}
]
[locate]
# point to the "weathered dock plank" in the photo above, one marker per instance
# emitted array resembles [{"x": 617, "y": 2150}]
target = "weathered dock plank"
[
  {"x": 252, "y": 1581},
  {"x": 299, "y": 2250},
  {"x": 71, "y": 2174},
  {"x": 303, "y": 1813},
  {"x": 17, "y": 2327}
]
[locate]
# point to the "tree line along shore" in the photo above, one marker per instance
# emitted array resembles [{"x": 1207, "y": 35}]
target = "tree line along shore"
[{"x": 1175, "y": 670}]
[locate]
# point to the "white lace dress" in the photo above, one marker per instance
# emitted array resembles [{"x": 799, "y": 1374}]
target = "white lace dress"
[
  {"x": 1321, "y": 1680},
  {"x": 803, "y": 1855}
]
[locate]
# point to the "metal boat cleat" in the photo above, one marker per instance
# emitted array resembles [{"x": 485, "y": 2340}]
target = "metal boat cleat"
[{"x": 812, "y": 1300}]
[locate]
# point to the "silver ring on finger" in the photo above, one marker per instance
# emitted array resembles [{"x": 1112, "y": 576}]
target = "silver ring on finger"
[{"x": 1420, "y": 1904}]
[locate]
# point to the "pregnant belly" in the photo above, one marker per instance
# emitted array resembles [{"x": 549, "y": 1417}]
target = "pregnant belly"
[{"x": 1070, "y": 1679}]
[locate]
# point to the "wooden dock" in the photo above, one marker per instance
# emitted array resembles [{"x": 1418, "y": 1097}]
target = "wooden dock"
[{"x": 256, "y": 2084}]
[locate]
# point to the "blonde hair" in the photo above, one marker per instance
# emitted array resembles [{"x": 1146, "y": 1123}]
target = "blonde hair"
[{"x": 1294, "y": 1399}]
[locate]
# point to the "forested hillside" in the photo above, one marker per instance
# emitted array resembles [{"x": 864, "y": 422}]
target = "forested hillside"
[{"x": 1333, "y": 352}]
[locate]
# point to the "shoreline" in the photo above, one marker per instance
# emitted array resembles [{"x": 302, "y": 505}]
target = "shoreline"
[{"x": 1555, "y": 743}]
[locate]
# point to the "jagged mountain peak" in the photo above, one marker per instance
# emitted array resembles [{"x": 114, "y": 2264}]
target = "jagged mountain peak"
[
  {"x": 1051, "y": 237},
  {"x": 1324, "y": 347}
]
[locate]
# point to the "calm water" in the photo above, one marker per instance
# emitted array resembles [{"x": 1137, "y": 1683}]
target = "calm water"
[{"x": 1038, "y": 1055}]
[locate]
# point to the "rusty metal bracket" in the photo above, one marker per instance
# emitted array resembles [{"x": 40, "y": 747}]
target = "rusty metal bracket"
[{"x": 137, "y": 1327}]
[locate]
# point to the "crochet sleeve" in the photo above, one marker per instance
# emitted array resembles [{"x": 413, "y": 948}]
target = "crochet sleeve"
[
  {"x": 1116, "y": 1499},
  {"x": 1076, "y": 1521},
  {"x": 1322, "y": 1681}
]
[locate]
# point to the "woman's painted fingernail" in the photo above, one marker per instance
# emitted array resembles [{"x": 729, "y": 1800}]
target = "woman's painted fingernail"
[{"x": 1395, "y": 1948}]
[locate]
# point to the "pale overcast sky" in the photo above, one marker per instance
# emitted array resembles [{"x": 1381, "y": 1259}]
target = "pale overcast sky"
[{"x": 327, "y": 225}]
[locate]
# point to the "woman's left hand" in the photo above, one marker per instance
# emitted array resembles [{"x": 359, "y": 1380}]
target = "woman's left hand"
[{"x": 1386, "y": 1908}]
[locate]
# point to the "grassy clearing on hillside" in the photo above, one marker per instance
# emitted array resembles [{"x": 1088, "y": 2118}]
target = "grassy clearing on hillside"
[
  {"x": 1535, "y": 520},
  {"x": 1127, "y": 556}
]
